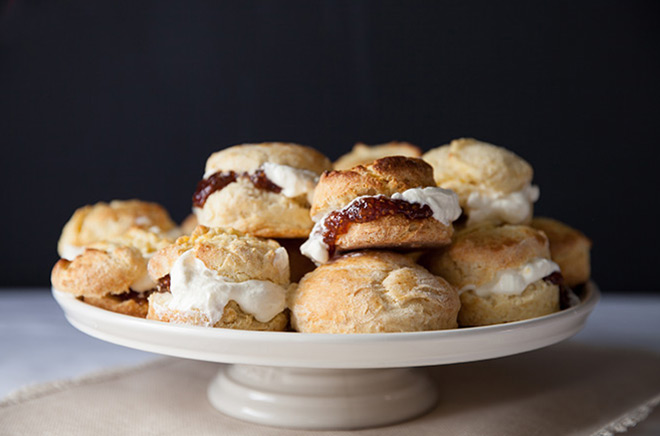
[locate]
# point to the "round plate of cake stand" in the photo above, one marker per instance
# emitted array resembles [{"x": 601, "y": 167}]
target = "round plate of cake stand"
[{"x": 326, "y": 381}]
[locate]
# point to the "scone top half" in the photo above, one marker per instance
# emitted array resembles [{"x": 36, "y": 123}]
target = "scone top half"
[
  {"x": 363, "y": 154},
  {"x": 103, "y": 221},
  {"x": 206, "y": 271},
  {"x": 260, "y": 189},
  {"x": 503, "y": 273},
  {"x": 391, "y": 203},
  {"x": 492, "y": 183},
  {"x": 373, "y": 292}
]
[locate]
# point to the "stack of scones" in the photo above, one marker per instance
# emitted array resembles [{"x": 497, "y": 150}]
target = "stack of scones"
[{"x": 390, "y": 240}]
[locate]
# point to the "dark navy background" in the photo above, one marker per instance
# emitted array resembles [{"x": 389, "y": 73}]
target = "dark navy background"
[{"x": 123, "y": 99}]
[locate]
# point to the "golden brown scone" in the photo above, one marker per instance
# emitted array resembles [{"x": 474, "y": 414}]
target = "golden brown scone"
[
  {"x": 299, "y": 265},
  {"x": 372, "y": 292},
  {"x": 569, "y": 248},
  {"x": 111, "y": 267},
  {"x": 362, "y": 154},
  {"x": 221, "y": 278},
  {"x": 390, "y": 203},
  {"x": 103, "y": 221},
  {"x": 189, "y": 224},
  {"x": 232, "y": 317},
  {"x": 228, "y": 252},
  {"x": 261, "y": 189},
  {"x": 133, "y": 306},
  {"x": 492, "y": 183},
  {"x": 499, "y": 272}
]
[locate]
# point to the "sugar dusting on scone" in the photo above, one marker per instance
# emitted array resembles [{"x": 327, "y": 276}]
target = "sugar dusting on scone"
[
  {"x": 391, "y": 203},
  {"x": 260, "y": 189},
  {"x": 492, "y": 183},
  {"x": 221, "y": 278}
]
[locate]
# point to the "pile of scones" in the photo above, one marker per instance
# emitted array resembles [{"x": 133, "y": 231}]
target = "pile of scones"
[{"x": 383, "y": 240}]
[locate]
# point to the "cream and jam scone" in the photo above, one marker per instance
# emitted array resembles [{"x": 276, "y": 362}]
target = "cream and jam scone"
[
  {"x": 569, "y": 248},
  {"x": 363, "y": 154},
  {"x": 492, "y": 183},
  {"x": 502, "y": 274},
  {"x": 372, "y": 292},
  {"x": 112, "y": 274},
  {"x": 260, "y": 189},
  {"x": 103, "y": 221},
  {"x": 391, "y": 203},
  {"x": 221, "y": 278}
]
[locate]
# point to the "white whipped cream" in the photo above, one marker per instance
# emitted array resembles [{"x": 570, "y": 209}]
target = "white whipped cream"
[
  {"x": 513, "y": 208},
  {"x": 194, "y": 286},
  {"x": 513, "y": 281},
  {"x": 293, "y": 181},
  {"x": 70, "y": 252},
  {"x": 443, "y": 204}
]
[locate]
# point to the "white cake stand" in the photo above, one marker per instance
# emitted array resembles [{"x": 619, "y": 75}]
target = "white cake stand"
[{"x": 324, "y": 381}]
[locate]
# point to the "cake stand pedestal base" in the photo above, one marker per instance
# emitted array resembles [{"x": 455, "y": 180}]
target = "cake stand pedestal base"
[{"x": 322, "y": 399}]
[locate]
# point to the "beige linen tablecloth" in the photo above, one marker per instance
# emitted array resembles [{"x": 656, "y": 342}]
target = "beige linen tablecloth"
[{"x": 566, "y": 389}]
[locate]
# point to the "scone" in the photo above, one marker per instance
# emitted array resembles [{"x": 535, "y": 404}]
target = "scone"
[
  {"x": 112, "y": 274},
  {"x": 372, "y": 292},
  {"x": 391, "y": 203},
  {"x": 569, "y": 248},
  {"x": 260, "y": 189},
  {"x": 492, "y": 183},
  {"x": 102, "y": 221},
  {"x": 502, "y": 274},
  {"x": 221, "y": 278},
  {"x": 189, "y": 224},
  {"x": 362, "y": 154}
]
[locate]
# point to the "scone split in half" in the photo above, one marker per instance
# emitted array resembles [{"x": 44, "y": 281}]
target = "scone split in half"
[
  {"x": 391, "y": 203},
  {"x": 221, "y": 278},
  {"x": 260, "y": 189}
]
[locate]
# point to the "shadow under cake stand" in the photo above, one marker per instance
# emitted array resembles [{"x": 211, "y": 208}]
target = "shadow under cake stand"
[{"x": 326, "y": 381}]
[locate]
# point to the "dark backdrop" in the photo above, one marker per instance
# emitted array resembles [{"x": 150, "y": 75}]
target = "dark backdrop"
[{"x": 122, "y": 99}]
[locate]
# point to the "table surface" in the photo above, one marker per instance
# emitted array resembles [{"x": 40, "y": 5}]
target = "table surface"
[{"x": 38, "y": 345}]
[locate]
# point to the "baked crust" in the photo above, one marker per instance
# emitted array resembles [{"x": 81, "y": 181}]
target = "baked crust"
[
  {"x": 372, "y": 292},
  {"x": 97, "y": 272},
  {"x": 249, "y": 157},
  {"x": 363, "y": 154},
  {"x": 233, "y": 316},
  {"x": 538, "y": 299},
  {"x": 244, "y": 207},
  {"x": 395, "y": 232},
  {"x": 137, "y": 307},
  {"x": 230, "y": 253},
  {"x": 569, "y": 248},
  {"x": 102, "y": 221},
  {"x": 466, "y": 165},
  {"x": 478, "y": 253},
  {"x": 382, "y": 177}
]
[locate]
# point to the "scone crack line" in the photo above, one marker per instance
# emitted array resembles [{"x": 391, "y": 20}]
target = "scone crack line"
[
  {"x": 281, "y": 179},
  {"x": 415, "y": 203},
  {"x": 193, "y": 286},
  {"x": 513, "y": 281}
]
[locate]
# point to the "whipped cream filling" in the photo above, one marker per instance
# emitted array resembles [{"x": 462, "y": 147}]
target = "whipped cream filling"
[
  {"x": 442, "y": 202},
  {"x": 513, "y": 208},
  {"x": 513, "y": 281},
  {"x": 70, "y": 252},
  {"x": 293, "y": 181},
  {"x": 196, "y": 287}
]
